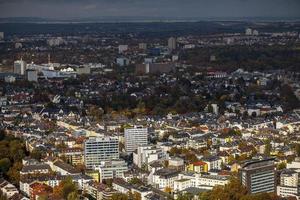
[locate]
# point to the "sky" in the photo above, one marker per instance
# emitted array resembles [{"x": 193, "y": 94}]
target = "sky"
[{"x": 66, "y": 9}]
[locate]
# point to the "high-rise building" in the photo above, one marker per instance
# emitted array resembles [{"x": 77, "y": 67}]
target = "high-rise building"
[
  {"x": 135, "y": 137},
  {"x": 172, "y": 43},
  {"x": 1, "y": 35},
  {"x": 258, "y": 175},
  {"x": 19, "y": 67},
  {"x": 99, "y": 149}
]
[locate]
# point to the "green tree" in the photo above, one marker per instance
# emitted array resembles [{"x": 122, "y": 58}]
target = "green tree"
[
  {"x": 297, "y": 149},
  {"x": 36, "y": 154},
  {"x": 281, "y": 166},
  {"x": 268, "y": 148},
  {"x": 14, "y": 173},
  {"x": 5, "y": 164},
  {"x": 119, "y": 196},
  {"x": 73, "y": 196}
]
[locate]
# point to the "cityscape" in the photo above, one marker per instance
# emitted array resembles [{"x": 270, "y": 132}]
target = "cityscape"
[{"x": 131, "y": 100}]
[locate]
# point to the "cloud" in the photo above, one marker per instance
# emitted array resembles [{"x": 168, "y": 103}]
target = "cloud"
[{"x": 161, "y": 8}]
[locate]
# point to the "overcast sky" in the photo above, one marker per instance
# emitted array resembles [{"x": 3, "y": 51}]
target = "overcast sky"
[{"x": 149, "y": 8}]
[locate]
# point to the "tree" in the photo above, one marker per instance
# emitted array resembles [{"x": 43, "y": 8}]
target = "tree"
[
  {"x": 73, "y": 196},
  {"x": 281, "y": 166},
  {"x": 4, "y": 165},
  {"x": 297, "y": 149},
  {"x": 185, "y": 196},
  {"x": 268, "y": 148},
  {"x": 65, "y": 188},
  {"x": 36, "y": 154},
  {"x": 232, "y": 191},
  {"x": 119, "y": 196},
  {"x": 14, "y": 173}
]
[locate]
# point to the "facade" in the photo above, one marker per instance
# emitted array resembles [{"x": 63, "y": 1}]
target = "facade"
[
  {"x": 154, "y": 68},
  {"x": 112, "y": 169},
  {"x": 147, "y": 154},
  {"x": 122, "y": 48},
  {"x": 73, "y": 155},
  {"x": 186, "y": 180},
  {"x": 122, "y": 61},
  {"x": 258, "y": 175},
  {"x": 213, "y": 162},
  {"x": 99, "y": 149},
  {"x": 32, "y": 75},
  {"x": 288, "y": 184},
  {"x": 164, "y": 178},
  {"x": 135, "y": 137},
  {"x": 172, "y": 43},
  {"x": 19, "y": 67}
]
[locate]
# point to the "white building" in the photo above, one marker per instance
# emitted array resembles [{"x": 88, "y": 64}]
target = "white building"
[
  {"x": 112, "y": 169},
  {"x": 147, "y": 154},
  {"x": 248, "y": 31},
  {"x": 164, "y": 178},
  {"x": 122, "y": 61},
  {"x": 8, "y": 189},
  {"x": 288, "y": 184},
  {"x": 56, "y": 41},
  {"x": 99, "y": 149},
  {"x": 122, "y": 48},
  {"x": 135, "y": 137},
  {"x": 9, "y": 79},
  {"x": 143, "y": 46},
  {"x": 186, "y": 180},
  {"x": 213, "y": 162},
  {"x": 19, "y": 67}
]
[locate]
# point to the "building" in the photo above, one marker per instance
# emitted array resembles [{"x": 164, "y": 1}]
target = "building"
[
  {"x": 258, "y": 175},
  {"x": 176, "y": 163},
  {"x": 172, "y": 43},
  {"x": 83, "y": 70},
  {"x": 1, "y": 35},
  {"x": 248, "y": 31},
  {"x": 143, "y": 46},
  {"x": 99, "y": 149},
  {"x": 198, "y": 166},
  {"x": 122, "y": 48},
  {"x": 32, "y": 75},
  {"x": 213, "y": 162},
  {"x": 112, "y": 169},
  {"x": 7, "y": 189},
  {"x": 19, "y": 67},
  {"x": 288, "y": 184},
  {"x": 122, "y": 61},
  {"x": 187, "y": 180},
  {"x": 9, "y": 79},
  {"x": 56, "y": 41},
  {"x": 154, "y": 68},
  {"x": 135, "y": 137},
  {"x": 73, "y": 155},
  {"x": 146, "y": 154},
  {"x": 164, "y": 178}
]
